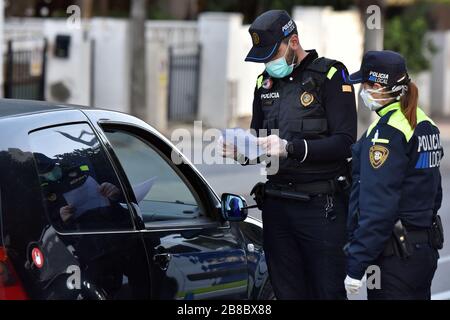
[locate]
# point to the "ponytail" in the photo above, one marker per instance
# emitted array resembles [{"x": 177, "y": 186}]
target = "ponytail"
[{"x": 409, "y": 103}]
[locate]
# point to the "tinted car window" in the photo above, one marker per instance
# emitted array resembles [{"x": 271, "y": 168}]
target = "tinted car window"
[
  {"x": 79, "y": 187},
  {"x": 161, "y": 192}
]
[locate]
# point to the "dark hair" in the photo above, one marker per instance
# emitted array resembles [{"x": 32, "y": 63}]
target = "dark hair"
[{"x": 409, "y": 103}]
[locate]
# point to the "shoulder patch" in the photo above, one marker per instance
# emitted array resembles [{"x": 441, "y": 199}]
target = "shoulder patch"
[
  {"x": 331, "y": 72},
  {"x": 347, "y": 88},
  {"x": 259, "y": 82},
  {"x": 378, "y": 156}
]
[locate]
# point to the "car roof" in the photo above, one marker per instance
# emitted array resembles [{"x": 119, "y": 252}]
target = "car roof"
[{"x": 13, "y": 107}]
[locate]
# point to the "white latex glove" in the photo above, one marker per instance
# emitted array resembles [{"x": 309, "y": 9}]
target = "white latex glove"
[
  {"x": 352, "y": 286},
  {"x": 273, "y": 145},
  {"x": 226, "y": 150}
]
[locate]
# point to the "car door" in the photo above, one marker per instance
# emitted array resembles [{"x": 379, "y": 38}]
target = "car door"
[
  {"x": 192, "y": 253},
  {"x": 93, "y": 250}
]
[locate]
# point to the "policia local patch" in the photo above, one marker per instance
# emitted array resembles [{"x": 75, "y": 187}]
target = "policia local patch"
[{"x": 378, "y": 156}]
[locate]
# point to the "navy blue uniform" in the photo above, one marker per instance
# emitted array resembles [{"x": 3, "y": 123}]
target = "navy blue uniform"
[
  {"x": 302, "y": 243},
  {"x": 396, "y": 177}
]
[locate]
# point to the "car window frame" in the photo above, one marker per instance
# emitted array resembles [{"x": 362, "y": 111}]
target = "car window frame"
[
  {"x": 183, "y": 179},
  {"x": 133, "y": 227},
  {"x": 152, "y": 140}
]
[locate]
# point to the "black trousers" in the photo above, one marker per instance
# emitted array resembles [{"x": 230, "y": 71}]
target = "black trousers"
[
  {"x": 304, "y": 248},
  {"x": 406, "y": 279}
]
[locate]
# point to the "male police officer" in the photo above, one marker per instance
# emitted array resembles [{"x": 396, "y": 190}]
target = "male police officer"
[{"x": 304, "y": 205}]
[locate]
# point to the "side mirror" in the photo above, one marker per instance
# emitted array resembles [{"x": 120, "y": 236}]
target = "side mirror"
[{"x": 234, "y": 208}]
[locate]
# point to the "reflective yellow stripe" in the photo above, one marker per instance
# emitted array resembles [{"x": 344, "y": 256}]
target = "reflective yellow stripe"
[
  {"x": 331, "y": 73},
  {"x": 84, "y": 168},
  {"x": 386, "y": 141},
  {"x": 421, "y": 116},
  {"x": 389, "y": 108},
  {"x": 259, "y": 82},
  {"x": 398, "y": 121}
]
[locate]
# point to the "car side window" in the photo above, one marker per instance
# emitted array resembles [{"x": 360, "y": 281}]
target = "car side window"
[
  {"x": 162, "y": 192},
  {"x": 79, "y": 187}
]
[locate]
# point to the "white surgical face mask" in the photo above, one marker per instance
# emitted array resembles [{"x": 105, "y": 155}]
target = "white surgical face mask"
[
  {"x": 369, "y": 102},
  {"x": 374, "y": 104}
]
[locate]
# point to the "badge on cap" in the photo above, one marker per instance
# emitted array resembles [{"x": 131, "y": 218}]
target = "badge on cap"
[
  {"x": 378, "y": 156},
  {"x": 255, "y": 38},
  {"x": 306, "y": 99}
]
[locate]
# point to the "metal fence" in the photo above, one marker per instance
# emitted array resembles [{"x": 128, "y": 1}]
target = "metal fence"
[
  {"x": 184, "y": 78},
  {"x": 24, "y": 67}
]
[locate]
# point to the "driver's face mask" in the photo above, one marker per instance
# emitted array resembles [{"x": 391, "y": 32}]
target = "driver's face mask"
[
  {"x": 279, "y": 68},
  {"x": 54, "y": 175}
]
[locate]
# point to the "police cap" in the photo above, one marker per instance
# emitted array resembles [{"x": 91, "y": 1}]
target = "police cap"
[{"x": 267, "y": 32}]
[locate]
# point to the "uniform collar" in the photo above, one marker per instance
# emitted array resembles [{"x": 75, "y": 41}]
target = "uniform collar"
[
  {"x": 392, "y": 106},
  {"x": 312, "y": 55}
]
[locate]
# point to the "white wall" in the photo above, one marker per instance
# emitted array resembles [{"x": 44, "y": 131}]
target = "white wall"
[
  {"x": 111, "y": 64},
  {"x": 157, "y": 84},
  {"x": 172, "y": 32},
  {"x": 227, "y": 81},
  {"x": 440, "y": 74},
  {"x": 423, "y": 82},
  {"x": 334, "y": 34},
  {"x": 23, "y": 28},
  {"x": 248, "y": 73},
  {"x": 218, "y": 74},
  {"x": 75, "y": 71}
]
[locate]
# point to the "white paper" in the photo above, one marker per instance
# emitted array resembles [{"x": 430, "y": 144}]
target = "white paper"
[
  {"x": 245, "y": 142},
  {"x": 142, "y": 189},
  {"x": 86, "y": 197}
]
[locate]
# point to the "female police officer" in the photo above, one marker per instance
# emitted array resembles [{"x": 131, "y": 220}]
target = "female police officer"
[{"x": 396, "y": 193}]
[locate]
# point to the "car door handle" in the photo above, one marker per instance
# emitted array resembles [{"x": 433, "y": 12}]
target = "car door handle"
[{"x": 162, "y": 260}]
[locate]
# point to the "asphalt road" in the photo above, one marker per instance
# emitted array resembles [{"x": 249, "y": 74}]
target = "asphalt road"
[{"x": 239, "y": 180}]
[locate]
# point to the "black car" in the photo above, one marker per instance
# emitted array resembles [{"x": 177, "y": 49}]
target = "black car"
[{"x": 93, "y": 207}]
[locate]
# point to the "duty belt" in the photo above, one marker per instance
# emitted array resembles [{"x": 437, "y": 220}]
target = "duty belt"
[
  {"x": 418, "y": 236},
  {"x": 311, "y": 188}
]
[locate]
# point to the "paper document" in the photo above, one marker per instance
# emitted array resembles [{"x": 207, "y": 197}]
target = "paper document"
[
  {"x": 142, "y": 189},
  {"x": 86, "y": 197},
  {"x": 245, "y": 142}
]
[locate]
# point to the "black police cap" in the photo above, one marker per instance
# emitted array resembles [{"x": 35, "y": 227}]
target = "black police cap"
[
  {"x": 267, "y": 32},
  {"x": 388, "y": 68}
]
